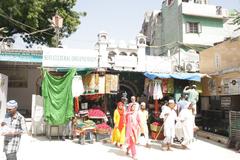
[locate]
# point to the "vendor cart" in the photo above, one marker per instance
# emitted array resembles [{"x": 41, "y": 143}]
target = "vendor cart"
[
  {"x": 85, "y": 135},
  {"x": 83, "y": 128}
]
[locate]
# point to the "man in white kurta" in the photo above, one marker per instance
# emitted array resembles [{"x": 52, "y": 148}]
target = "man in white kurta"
[
  {"x": 169, "y": 115},
  {"x": 193, "y": 97},
  {"x": 185, "y": 117},
  {"x": 143, "y": 115}
]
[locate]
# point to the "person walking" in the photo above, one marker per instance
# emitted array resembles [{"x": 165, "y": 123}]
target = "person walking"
[
  {"x": 169, "y": 115},
  {"x": 193, "y": 97},
  {"x": 132, "y": 125},
  {"x": 133, "y": 101},
  {"x": 15, "y": 126},
  {"x": 143, "y": 114},
  {"x": 185, "y": 117},
  {"x": 67, "y": 130},
  {"x": 118, "y": 135}
]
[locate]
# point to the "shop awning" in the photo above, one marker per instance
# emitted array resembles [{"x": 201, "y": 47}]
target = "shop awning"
[{"x": 183, "y": 76}]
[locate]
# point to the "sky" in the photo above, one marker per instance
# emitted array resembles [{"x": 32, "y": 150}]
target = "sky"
[{"x": 121, "y": 19}]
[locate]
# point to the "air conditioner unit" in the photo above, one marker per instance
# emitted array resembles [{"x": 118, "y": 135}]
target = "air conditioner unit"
[
  {"x": 179, "y": 68},
  {"x": 191, "y": 67}
]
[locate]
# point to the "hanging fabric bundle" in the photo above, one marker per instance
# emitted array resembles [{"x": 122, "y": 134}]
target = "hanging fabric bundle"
[
  {"x": 76, "y": 105},
  {"x": 58, "y": 99}
]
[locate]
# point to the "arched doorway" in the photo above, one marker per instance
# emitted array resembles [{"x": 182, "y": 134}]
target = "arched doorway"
[{"x": 129, "y": 87}]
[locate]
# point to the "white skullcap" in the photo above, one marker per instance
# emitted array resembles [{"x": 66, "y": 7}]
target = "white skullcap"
[
  {"x": 12, "y": 104},
  {"x": 171, "y": 101}
]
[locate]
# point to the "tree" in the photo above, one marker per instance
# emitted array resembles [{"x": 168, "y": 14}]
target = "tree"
[
  {"x": 32, "y": 19},
  {"x": 237, "y": 19}
]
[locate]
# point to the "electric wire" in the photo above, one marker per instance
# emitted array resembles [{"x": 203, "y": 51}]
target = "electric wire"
[{"x": 18, "y": 22}]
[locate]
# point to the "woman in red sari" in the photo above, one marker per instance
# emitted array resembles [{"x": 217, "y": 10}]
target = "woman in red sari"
[{"x": 132, "y": 125}]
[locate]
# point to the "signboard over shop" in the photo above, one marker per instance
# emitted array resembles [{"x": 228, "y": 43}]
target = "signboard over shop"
[
  {"x": 158, "y": 64},
  {"x": 70, "y": 58},
  {"x": 126, "y": 61},
  {"x": 20, "y": 56}
]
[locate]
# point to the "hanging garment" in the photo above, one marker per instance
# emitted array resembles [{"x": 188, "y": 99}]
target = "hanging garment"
[
  {"x": 170, "y": 86},
  {"x": 101, "y": 85},
  {"x": 164, "y": 86},
  {"x": 146, "y": 86},
  {"x": 108, "y": 83},
  {"x": 58, "y": 99},
  {"x": 89, "y": 82},
  {"x": 77, "y": 86},
  {"x": 96, "y": 83},
  {"x": 157, "y": 91},
  {"x": 151, "y": 88},
  {"x": 114, "y": 83},
  {"x": 76, "y": 105}
]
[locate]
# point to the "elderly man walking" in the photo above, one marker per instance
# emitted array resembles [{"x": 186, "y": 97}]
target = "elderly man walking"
[
  {"x": 169, "y": 115},
  {"x": 14, "y": 126},
  {"x": 193, "y": 97}
]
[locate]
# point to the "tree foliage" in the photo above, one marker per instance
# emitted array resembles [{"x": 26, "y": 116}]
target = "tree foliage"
[
  {"x": 237, "y": 19},
  {"x": 32, "y": 19}
]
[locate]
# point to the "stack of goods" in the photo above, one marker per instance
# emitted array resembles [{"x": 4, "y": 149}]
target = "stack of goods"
[
  {"x": 96, "y": 113},
  {"x": 155, "y": 129},
  {"x": 103, "y": 128},
  {"x": 88, "y": 124},
  {"x": 155, "y": 126}
]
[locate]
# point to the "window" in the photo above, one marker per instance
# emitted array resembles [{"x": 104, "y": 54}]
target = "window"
[
  {"x": 193, "y": 27},
  {"x": 133, "y": 54},
  {"x": 123, "y": 54},
  {"x": 111, "y": 56}
]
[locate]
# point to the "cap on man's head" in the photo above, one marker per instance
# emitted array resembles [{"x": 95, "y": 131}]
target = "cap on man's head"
[
  {"x": 194, "y": 86},
  {"x": 171, "y": 101},
  {"x": 12, "y": 104}
]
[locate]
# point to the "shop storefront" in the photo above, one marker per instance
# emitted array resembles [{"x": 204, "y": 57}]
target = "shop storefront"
[{"x": 159, "y": 88}]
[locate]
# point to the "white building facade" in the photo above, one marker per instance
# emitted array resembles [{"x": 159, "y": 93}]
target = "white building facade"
[{"x": 184, "y": 27}]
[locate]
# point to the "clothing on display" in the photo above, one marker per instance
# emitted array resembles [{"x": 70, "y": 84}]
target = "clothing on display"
[
  {"x": 114, "y": 83},
  {"x": 58, "y": 99},
  {"x": 164, "y": 86},
  {"x": 76, "y": 105},
  {"x": 101, "y": 85},
  {"x": 111, "y": 83},
  {"x": 108, "y": 83},
  {"x": 170, "y": 86},
  {"x": 77, "y": 86},
  {"x": 91, "y": 83},
  {"x": 157, "y": 90}
]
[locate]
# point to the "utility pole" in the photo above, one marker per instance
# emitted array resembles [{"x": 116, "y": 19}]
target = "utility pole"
[{"x": 57, "y": 24}]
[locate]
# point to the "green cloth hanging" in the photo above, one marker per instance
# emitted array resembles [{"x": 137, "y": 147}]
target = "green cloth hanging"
[{"x": 58, "y": 99}]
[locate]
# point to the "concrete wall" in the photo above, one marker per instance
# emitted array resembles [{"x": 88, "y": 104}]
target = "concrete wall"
[
  {"x": 212, "y": 30},
  {"x": 171, "y": 22},
  {"x": 24, "y": 95},
  {"x": 203, "y": 10},
  {"x": 224, "y": 56}
]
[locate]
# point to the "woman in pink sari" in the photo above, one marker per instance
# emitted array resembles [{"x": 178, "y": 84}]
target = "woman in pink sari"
[{"x": 132, "y": 125}]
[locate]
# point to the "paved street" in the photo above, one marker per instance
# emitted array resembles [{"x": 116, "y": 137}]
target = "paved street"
[{"x": 40, "y": 148}]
